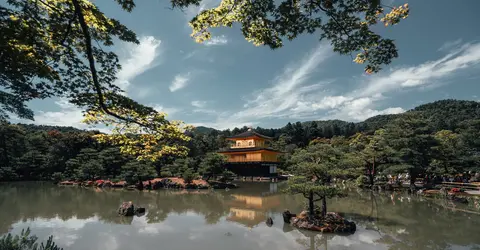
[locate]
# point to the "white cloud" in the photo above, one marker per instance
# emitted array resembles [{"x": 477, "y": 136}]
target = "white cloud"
[
  {"x": 450, "y": 44},
  {"x": 179, "y": 82},
  {"x": 69, "y": 115},
  {"x": 288, "y": 89},
  {"x": 206, "y": 111},
  {"x": 295, "y": 95},
  {"x": 168, "y": 110},
  {"x": 217, "y": 40},
  {"x": 65, "y": 231},
  {"x": 199, "y": 104},
  {"x": 359, "y": 104},
  {"x": 359, "y": 109},
  {"x": 138, "y": 59},
  {"x": 143, "y": 227},
  {"x": 431, "y": 72}
]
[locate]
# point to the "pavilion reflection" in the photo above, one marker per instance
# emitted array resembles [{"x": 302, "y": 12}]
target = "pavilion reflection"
[{"x": 250, "y": 209}]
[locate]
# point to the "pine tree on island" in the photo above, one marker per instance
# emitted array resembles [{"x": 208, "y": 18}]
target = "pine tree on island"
[{"x": 313, "y": 168}]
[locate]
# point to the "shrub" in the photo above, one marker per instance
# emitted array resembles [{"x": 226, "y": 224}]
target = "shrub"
[
  {"x": 188, "y": 176},
  {"x": 25, "y": 241},
  {"x": 362, "y": 181},
  {"x": 165, "y": 174}
]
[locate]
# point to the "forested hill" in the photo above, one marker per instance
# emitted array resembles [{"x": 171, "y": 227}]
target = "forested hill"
[
  {"x": 33, "y": 152},
  {"x": 444, "y": 114}
]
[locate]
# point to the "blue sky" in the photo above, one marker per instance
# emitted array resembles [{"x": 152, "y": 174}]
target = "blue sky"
[{"x": 229, "y": 82}]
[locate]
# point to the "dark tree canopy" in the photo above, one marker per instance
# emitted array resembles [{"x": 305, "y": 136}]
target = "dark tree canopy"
[
  {"x": 60, "y": 48},
  {"x": 414, "y": 141}
]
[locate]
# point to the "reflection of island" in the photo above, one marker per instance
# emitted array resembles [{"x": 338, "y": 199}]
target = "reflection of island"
[{"x": 251, "y": 210}]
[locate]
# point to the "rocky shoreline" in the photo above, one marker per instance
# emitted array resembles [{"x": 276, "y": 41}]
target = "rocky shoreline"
[{"x": 153, "y": 184}]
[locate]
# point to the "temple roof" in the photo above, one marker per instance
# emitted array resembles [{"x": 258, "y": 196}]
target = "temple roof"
[
  {"x": 247, "y": 150},
  {"x": 249, "y": 133}
]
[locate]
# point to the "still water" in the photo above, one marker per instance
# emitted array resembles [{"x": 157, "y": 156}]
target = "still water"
[{"x": 235, "y": 219}]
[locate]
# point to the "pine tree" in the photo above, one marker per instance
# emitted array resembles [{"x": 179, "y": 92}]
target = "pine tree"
[{"x": 313, "y": 168}]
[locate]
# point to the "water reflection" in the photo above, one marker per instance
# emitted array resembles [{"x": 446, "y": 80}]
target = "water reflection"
[{"x": 86, "y": 219}]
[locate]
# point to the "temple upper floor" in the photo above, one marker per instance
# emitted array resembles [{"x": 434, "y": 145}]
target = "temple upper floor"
[
  {"x": 249, "y": 143},
  {"x": 249, "y": 139}
]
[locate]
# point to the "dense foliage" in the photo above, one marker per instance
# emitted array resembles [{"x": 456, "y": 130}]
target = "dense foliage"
[
  {"x": 25, "y": 241},
  {"x": 61, "y": 48},
  {"x": 314, "y": 168},
  {"x": 347, "y": 24},
  {"x": 416, "y": 142}
]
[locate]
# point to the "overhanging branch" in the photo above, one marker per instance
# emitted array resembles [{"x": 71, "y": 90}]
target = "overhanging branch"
[{"x": 93, "y": 70}]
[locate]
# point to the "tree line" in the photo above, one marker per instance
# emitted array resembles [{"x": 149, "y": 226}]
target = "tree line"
[
  {"x": 416, "y": 143},
  {"x": 440, "y": 137}
]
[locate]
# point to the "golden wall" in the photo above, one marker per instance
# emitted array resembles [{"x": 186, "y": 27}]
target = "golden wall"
[
  {"x": 249, "y": 143},
  {"x": 246, "y": 157}
]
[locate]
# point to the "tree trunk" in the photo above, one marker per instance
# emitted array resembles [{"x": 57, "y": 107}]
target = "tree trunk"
[
  {"x": 324, "y": 206},
  {"x": 371, "y": 180},
  {"x": 311, "y": 206},
  {"x": 372, "y": 173},
  {"x": 140, "y": 184},
  {"x": 413, "y": 177}
]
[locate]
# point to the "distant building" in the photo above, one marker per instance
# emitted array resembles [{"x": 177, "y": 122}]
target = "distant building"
[{"x": 250, "y": 155}]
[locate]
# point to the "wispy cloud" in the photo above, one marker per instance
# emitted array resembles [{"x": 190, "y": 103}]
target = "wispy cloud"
[
  {"x": 217, "y": 40},
  {"x": 295, "y": 94},
  {"x": 179, "y": 82},
  {"x": 450, "y": 44},
  {"x": 199, "y": 104},
  {"x": 287, "y": 90},
  {"x": 137, "y": 59},
  {"x": 205, "y": 111},
  {"x": 359, "y": 104},
  {"x": 431, "y": 72}
]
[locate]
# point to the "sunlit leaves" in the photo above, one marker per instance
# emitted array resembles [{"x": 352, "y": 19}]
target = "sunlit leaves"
[
  {"x": 346, "y": 23},
  {"x": 46, "y": 44},
  {"x": 396, "y": 14},
  {"x": 148, "y": 136}
]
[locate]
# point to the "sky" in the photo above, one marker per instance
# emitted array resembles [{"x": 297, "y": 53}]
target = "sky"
[{"x": 228, "y": 82}]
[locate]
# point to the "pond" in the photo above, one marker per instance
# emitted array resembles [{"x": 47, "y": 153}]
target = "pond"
[{"x": 81, "y": 218}]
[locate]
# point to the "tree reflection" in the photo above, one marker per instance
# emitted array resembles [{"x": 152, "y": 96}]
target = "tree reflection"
[{"x": 402, "y": 222}]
